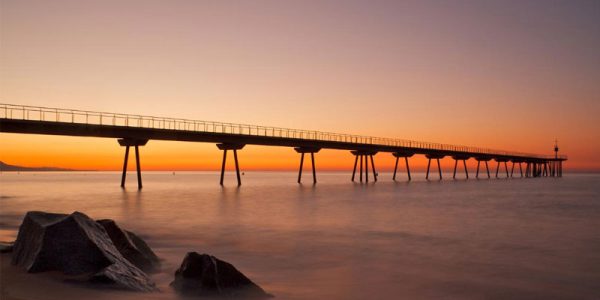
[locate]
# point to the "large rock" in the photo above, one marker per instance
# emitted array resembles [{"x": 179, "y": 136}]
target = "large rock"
[
  {"x": 132, "y": 247},
  {"x": 75, "y": 245},
  {"x": 206, "y": 275}
]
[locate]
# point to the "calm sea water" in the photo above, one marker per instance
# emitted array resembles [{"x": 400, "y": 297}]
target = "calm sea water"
[{"x": 505, "y": 239}]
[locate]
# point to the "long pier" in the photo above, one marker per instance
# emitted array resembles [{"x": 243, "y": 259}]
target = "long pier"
[{"x": 136, "y": 130}]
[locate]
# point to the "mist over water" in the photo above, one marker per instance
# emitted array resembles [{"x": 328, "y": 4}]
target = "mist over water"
[{"x": 500, "y": 238}]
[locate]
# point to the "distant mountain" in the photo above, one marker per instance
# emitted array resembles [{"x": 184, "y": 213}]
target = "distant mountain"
[{"x": 7, "y": 168}]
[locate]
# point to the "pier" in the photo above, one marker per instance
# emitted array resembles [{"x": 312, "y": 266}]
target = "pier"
[{"x": 136, "y": 130}]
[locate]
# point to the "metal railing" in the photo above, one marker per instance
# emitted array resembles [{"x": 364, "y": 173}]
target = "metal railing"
[{"x": 37, "y": 113}]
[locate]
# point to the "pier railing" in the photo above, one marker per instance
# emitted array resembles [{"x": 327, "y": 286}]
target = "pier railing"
[{"x": 48, "y": 114}]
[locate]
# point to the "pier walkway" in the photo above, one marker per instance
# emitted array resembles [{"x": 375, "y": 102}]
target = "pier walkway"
[{"x": 136, "y": 130}]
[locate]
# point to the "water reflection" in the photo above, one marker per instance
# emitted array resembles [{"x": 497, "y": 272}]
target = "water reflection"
[{"x": 530, "y": 238}]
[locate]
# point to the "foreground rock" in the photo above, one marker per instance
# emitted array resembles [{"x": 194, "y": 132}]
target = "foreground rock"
[
  {"x": 206, "y": 275},
  {"x": 75, "y": 245},
  {"x": 132, "y": 247}
]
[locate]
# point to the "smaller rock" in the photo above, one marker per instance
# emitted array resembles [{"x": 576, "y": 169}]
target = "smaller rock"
[
  {"x": 206, "y": 275},
  {"x": 132, "y": 247},
  {"x": 6, "y": 247}
]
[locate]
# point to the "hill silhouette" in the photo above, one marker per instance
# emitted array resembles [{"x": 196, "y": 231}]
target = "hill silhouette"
[{"x": 4, "y": 167}]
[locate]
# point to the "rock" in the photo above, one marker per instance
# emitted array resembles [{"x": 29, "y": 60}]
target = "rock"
[
  {"x": 206, "y": 275},
  {"x": 75, "y": 245},
  {"x": 6, "y": 247},
  {"x": 132, "y": 247},
  {"x": 69, "y": 243}
]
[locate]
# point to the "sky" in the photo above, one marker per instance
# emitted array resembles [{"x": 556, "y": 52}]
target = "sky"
[{"x": 513, "y": 75}]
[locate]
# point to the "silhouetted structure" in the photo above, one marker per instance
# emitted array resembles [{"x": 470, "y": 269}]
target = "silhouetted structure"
[
  {"x": 136, "y": 131},
  {"x": 235, "y": 148},
  {"x": 312, "y": 151},
  {"x": 128, "y": 142}
]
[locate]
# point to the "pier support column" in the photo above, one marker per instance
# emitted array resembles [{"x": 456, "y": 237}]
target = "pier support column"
[
  {"x": 406, "y": 155},
  {"x": 364, "y": 155},
  {"x": 128, "y": 142},
  {"x": 227, "y": 146},
  {"x": 521, "y": 169},
  {"x": 497, "y": 168},
  {"x": 559, "y": 169},
  {"x": 300, "y": 169},
  {"x": 484, "y": 159},
  {"x": 512, "y": 169},
  {"x": 373, "y": 167},
  {"x": 354, "y": 169},
  {"x": 366, "y": 168},
  {"x": 407, "y": 168},
  {"x": 125, "y": 166},
  {"x": 437, "y": 157},
  {"x": 500, "y": 160},
  {"x": 312, "y": 151},
  {"x": 464, "y": 160},
  {"x": 454, "y": 174},
  {"x": 138, "y": 167},
  {"x": 428, "y": 165},
  {"x": 361, "y": 167},
  {"x": 395, "y": 169},
  {"x": 543, "y": 169}
]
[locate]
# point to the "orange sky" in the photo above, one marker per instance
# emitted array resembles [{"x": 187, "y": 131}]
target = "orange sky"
[{"x": 509, "y": 75}]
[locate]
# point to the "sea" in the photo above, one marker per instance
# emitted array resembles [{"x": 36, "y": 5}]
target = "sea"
[{"x": 515, "y": 238}]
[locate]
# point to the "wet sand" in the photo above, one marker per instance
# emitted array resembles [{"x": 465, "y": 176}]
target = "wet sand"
[{"x": 17, "y": 284}]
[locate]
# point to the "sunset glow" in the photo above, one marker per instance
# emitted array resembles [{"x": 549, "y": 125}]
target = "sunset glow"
[{"x": 439, "y": 72}]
